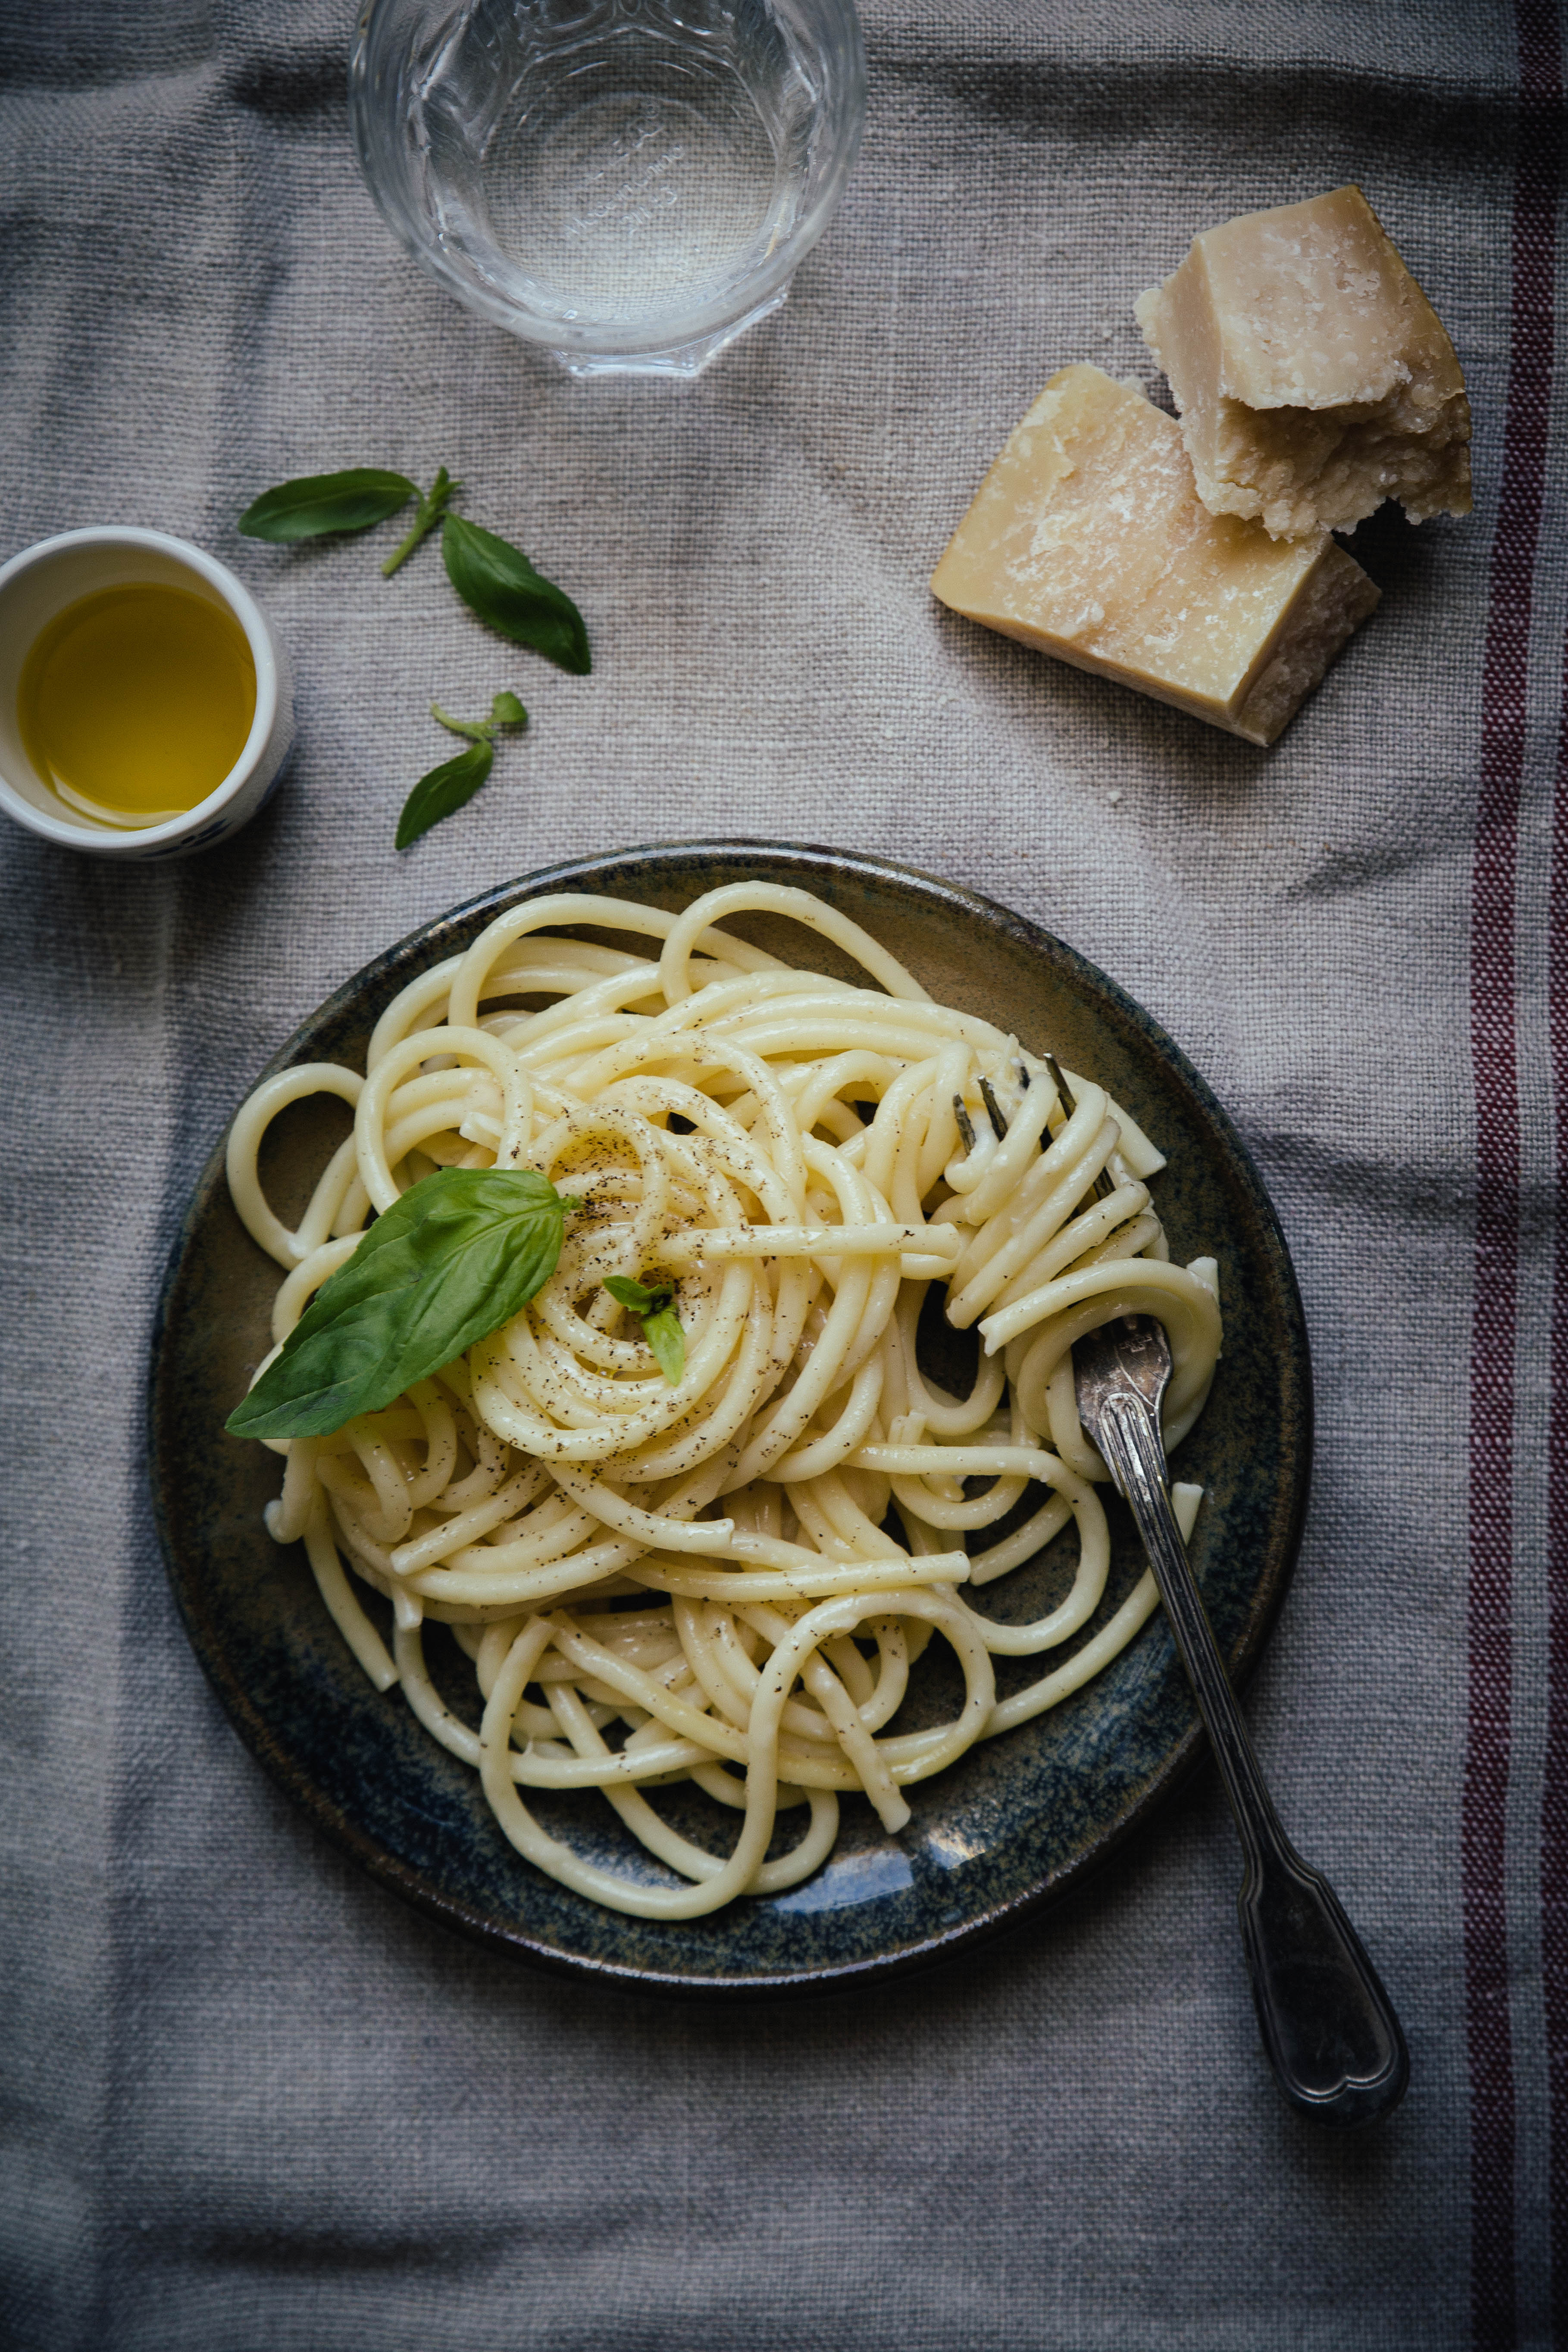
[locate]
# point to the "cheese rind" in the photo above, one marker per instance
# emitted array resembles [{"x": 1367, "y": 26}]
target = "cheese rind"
[
  {"x": 1313, "y": 377},
  {"x": 1088, "y": 540}
]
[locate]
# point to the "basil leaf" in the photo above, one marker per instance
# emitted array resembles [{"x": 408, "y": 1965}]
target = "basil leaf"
[
  {"x": 665, "y": 1336},
  {"x": 460, "y": 1255},
  {"x": 498, "y": 582},
  {"x": 322, "y": 502},
  {"x": 446, "y": 788},
  {"x": 508, "y": 711},
  {"x": 661, "y": 1324},
  {"x": 635, "y": 1294}
]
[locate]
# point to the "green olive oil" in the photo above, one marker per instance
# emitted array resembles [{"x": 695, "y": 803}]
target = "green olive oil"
[{"x": 135, "y": 703}]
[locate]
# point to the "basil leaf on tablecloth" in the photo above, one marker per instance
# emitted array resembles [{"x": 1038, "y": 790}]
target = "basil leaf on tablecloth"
[
  {"x": 447, "y": 788},
  {"x": 442, "y": 789},
  {"x": 497, "y": 580},
  {"x": 460, "y": 1255},
  {"x": 317, "y": 503}
]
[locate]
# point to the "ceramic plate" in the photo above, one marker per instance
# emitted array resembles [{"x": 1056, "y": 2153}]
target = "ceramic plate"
[{"x": 1013, "y": 1823}]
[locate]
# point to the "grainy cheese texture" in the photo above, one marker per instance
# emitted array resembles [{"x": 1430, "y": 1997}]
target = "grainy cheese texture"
[
  {"x": 1313, "y": 377},
  {"x": 1088, "y": 538}
]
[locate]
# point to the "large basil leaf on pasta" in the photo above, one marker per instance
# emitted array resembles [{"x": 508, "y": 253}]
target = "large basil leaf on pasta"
[{"x": 458, "y": 1255}]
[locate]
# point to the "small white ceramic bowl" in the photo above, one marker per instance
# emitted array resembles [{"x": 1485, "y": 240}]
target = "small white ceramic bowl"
[{"x": 41, "y": 581}]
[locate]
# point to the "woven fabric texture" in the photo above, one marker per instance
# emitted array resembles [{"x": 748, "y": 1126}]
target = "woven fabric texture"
[{"x": 249, "y": 2098}]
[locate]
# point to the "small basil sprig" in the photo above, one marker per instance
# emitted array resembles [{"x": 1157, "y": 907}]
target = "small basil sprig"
[
  {"x": 460, "y": 1255},
  {"x": 493, "y": 578},
  {"x": 447, "y": 787},
  {"x": 499, "y": 583},
  {"x": 661, "y": 1325}
]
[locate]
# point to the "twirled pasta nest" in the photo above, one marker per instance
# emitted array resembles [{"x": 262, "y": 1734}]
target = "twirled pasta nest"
[{"x": 727, "y": 1580}]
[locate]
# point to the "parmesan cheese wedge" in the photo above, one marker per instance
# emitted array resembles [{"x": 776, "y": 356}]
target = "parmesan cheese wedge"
[
  {"x": 1313, "y": 377},
  {"x": 1088, "y": 540}
]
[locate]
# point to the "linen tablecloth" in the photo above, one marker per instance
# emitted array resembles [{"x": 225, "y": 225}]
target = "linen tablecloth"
[{"x": 252, "y": 2100}]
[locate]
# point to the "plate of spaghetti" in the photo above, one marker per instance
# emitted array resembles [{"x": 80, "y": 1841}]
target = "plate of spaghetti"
[{"x": 613, "y": 1430}]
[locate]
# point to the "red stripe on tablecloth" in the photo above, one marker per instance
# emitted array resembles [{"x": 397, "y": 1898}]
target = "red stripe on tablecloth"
[
  {"x": 1554, "y": 1795},
  {"x": 1495, "y": 1313}
]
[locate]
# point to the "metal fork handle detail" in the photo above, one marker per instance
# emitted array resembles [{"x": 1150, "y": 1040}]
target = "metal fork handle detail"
[{"x": 1327, "y": 2024}]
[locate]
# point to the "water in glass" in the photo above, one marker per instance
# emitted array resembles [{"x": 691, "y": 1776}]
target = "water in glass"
[{"x": 629, "y": 181}]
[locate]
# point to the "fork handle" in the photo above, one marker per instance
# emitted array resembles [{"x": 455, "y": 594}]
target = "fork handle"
[{"x": 1327, "y": 2025}]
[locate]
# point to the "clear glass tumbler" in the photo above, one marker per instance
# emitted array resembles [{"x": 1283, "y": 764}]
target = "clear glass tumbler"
[{"x": 629, "y": 183}]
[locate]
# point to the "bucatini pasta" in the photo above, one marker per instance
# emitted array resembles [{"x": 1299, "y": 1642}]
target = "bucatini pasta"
[{"x": 730, "y": 1577}]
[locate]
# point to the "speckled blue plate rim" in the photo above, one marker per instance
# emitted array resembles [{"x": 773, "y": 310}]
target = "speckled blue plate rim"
[{"x": 621, "y": 873}]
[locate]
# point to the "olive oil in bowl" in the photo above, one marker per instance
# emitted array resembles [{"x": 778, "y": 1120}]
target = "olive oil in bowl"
[{"x": 136, "y": 702}]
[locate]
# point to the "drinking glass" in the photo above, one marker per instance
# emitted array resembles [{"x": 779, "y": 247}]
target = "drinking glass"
[{"x": 629, "y": 183}]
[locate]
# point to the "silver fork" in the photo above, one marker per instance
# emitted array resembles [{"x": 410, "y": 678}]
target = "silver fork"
[{"x": 1328, "y": 2026}]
